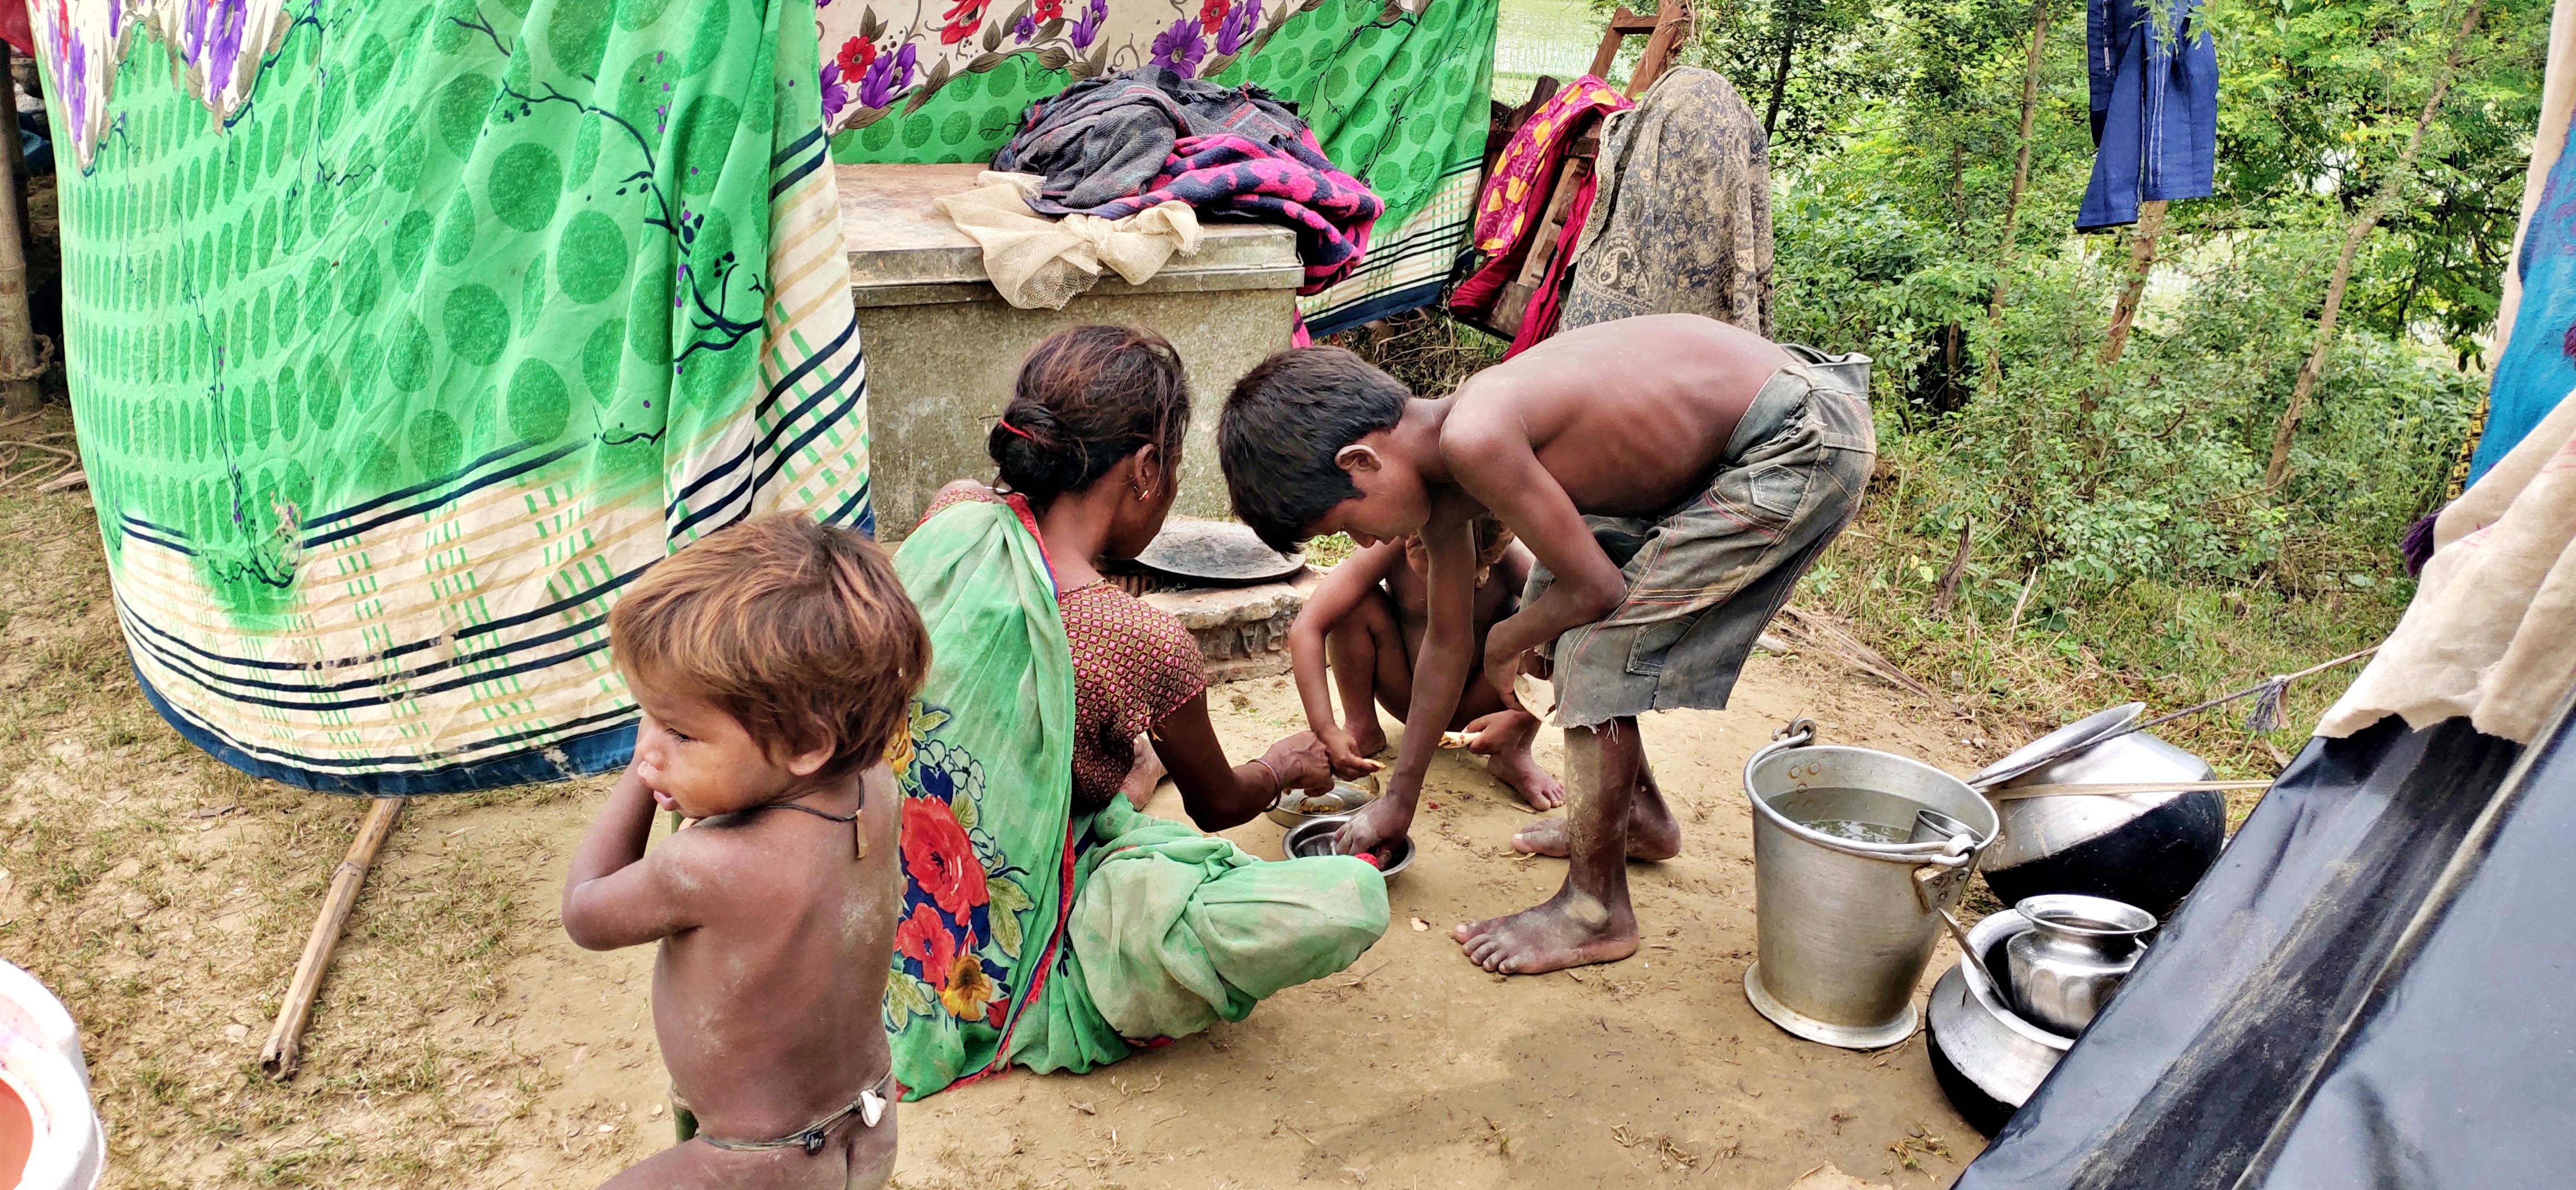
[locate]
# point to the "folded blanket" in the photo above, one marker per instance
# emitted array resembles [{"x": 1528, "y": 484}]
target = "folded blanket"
[{"x": 1291, "y": 183}]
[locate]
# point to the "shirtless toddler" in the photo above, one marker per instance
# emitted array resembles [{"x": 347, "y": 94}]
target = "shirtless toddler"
[
  {"x": 774, "y": 662},
  {"x": 1673, "y": 474},
  {"x": 1368, "y": 617}
]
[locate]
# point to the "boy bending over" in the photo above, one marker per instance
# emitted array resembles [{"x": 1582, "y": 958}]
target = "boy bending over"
[
  {"x": 774, "y": 662},
  {"x": 1369, "y": 615},
  {"x": 1674, "y": 475}
]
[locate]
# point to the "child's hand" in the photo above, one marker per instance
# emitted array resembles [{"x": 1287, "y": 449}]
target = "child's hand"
[
  {"x": 1500, "y": 669},
  {"x": 1344, "y": 753}
]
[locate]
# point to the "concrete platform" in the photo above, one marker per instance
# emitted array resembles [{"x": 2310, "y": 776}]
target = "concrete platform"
[{"x": 942, "y": 347}]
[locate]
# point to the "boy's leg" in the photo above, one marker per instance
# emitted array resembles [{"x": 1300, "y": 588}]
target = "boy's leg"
[
  {"x": 1654, "y": 835},
  {"x": 1370, "y": 668},
  {"x": 1589, "y": 920}
]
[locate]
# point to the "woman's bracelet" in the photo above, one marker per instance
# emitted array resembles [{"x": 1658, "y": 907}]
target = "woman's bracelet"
[{"x": 1277, "y": 786}]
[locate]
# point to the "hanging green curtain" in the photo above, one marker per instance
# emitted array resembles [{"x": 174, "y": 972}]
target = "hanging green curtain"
[{"x": 401, "y": 337}]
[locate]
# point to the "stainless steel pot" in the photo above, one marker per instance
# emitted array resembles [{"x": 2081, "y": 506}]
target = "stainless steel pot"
[
  {"x": 2078, "y": 949},
  {"x": 1845, "y": 926},
  {"x": 2142, "y": 849}
]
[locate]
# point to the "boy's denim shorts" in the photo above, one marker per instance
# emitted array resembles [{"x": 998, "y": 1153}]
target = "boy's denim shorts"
[{"x": 1705, "y": 577}]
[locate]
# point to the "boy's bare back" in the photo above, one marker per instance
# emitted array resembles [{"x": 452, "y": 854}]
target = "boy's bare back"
[{"x": 1625, "y": 418}]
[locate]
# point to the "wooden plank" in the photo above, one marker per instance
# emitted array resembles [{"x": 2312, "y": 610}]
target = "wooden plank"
[{"x": 1609, "y": 52}]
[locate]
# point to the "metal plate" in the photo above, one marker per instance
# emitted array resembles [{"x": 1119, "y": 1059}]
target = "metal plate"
[
  {"x": 1217, "y": 552},
  {"x": 1343, "y": 799}
]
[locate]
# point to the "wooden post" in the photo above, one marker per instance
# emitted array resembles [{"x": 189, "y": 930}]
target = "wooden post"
[
  {"x": 2391, "y": 187},
  {"x": 285, "y": 1047},
  {"x": 2020, "y": 182},
  {"x": 19, "y": 364}
]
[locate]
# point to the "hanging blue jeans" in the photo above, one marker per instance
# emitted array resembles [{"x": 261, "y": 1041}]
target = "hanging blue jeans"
[{"x": 2155, "y": 108}]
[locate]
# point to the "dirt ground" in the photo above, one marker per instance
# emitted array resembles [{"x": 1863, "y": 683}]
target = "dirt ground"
[{"x": 461, "y": 1040}]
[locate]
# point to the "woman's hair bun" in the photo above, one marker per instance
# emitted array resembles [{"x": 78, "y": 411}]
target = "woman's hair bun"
[
  {"x": 1035, "y": 454},
  {"x": 1087, "y": 397}
]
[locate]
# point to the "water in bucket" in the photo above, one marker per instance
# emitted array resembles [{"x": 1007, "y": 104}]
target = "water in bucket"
[{"x": 1845, "y": 902}]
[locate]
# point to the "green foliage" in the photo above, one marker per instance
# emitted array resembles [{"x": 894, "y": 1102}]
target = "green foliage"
[{"x": 2123, "y": 542}]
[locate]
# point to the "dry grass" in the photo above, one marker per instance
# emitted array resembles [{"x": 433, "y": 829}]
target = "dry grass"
[{"x": 164, "y": 897}]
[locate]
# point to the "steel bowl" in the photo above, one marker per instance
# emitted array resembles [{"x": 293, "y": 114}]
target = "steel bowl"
[
  {"x": 1341, "y": 800},
  {"x": 1988, "y": 1059},
  {"x": 1314, "y": 837}
]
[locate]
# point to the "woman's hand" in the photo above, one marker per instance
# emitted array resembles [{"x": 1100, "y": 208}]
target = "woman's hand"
[
  {"x": 1343, "y": 752},
  {"x": 1302, "y": 762}
]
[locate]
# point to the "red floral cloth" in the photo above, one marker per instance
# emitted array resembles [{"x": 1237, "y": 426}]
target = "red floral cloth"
[{"x": 1132, "y": 667}]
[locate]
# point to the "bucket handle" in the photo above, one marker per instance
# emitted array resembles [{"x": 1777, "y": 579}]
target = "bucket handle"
[{"x": 1800, "y": 732}]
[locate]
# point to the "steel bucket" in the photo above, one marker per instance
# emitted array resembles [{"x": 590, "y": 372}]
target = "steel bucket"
[{"x": 1846, "y": 927}]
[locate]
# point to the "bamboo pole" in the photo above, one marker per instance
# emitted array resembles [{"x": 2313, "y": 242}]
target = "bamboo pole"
[
  {"x": 2012, "y": 203},
  {"x": 2391, "y": 188},
  {"x": 19, "y": 364},
  {"x": 285, "y": 1047}
]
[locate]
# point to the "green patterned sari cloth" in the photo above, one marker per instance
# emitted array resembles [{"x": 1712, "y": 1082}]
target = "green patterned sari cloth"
[
  {"x": 1033, "y": 937},
  {"x": 402, "y": 336}
]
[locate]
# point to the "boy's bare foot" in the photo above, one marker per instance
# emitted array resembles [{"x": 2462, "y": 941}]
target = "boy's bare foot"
[
  {"x": 1503, "y": 739},
  {"x": 1380, "y": 821},
  {"x": 1653, "y": 836},
  {"x": 1570, "y": 930},
  {"x": 1367, "y": 739}
]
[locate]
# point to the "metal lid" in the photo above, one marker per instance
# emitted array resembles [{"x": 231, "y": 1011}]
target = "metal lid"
[
  {"x": 1217, "y": 552},
  {"x": 2074, "y": 737}
]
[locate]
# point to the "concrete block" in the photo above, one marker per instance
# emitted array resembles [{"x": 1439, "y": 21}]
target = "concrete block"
[{"x": 943, "y": 348}]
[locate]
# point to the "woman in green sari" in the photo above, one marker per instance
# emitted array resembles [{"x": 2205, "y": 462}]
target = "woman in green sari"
[{"x": 1047, "y": 922}]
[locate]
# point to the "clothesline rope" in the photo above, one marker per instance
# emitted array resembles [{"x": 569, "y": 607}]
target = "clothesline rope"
[{"x": 2267, "y": 712}]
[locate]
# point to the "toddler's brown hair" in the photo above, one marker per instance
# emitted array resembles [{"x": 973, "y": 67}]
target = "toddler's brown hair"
[{"x": 797, "y": 629}]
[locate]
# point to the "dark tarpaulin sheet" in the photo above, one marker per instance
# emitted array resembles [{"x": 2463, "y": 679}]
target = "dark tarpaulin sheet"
[{"x": 2372, "y": 988}]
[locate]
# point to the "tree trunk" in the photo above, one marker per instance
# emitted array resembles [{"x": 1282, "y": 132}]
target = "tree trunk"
[
  {"x": 1780, "y": 80},
  {"x": 18, "y": 370},
  {"x": 2142, "y": 259},
  {"x": 2020, "y": 182},
  {"x": 2391, "y": 188}
]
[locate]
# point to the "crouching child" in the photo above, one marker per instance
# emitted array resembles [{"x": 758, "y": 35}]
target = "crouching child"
[{"x": 1674, "y": 476}]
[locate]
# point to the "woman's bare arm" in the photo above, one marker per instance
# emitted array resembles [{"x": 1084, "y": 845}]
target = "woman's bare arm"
[{"x": 1219, "y": 795}]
